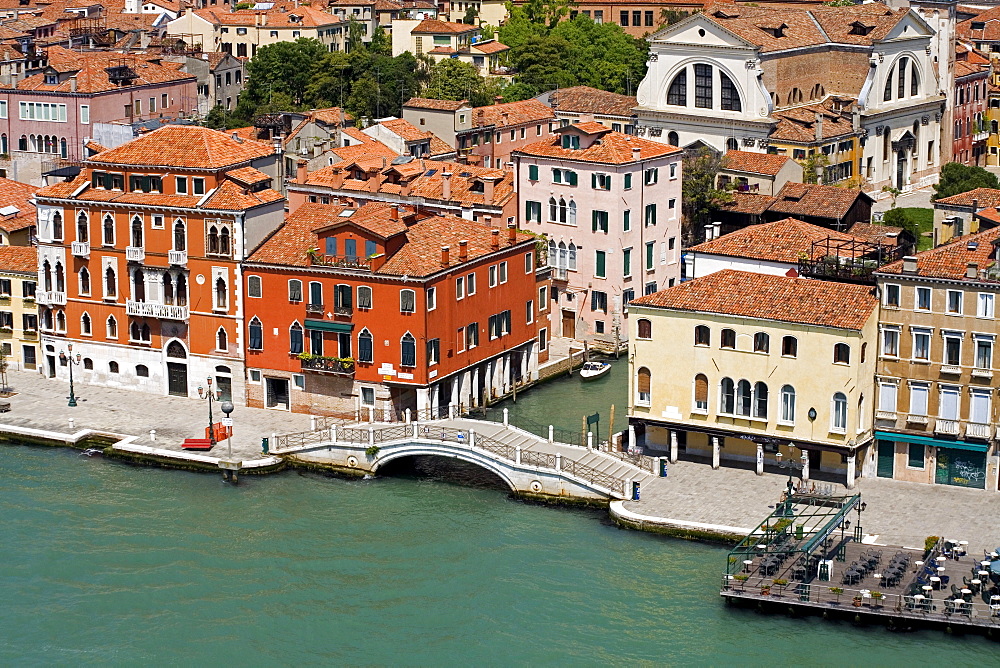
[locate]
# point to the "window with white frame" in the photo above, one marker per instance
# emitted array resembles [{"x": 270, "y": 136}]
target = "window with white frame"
[
  {"x": 952, "y": 348},
  {"x": 984, "y": 305},
  {"x": 922, "y": 299},
  {"x": 701, "y": 393},
  {"x": 503, "y": 272},
  {"x": 787, "y": 405},
  {"x": 407, "y": 301},
  {"x": 979, "y": 408},
  {"x": 470, "y": 285},
  {"x": 954, "y": 303},
  {"x": 838, "y": 422},
  {"x": 460, "y": 288},
  {"x": 918, "y": 399},
  {"x": 42, "y": 111},
  {"x": 890, "y": 341},
  {"x": 949, "y": 398},
  {"x": 254, "y": 288},
  {"x": 984, "y": 351},
  {"x": 891, "y": 296},
  {"x": 431, "y": 299},
  {"x": 921, "y": 344},
  {"x": 887, "y": 391}
]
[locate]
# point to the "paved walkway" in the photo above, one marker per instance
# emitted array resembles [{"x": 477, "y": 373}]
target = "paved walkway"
[
  {"x": 40, "y": 403},
  {"x": 900, "y": 513},
  {"x": 917, "y": 198}
]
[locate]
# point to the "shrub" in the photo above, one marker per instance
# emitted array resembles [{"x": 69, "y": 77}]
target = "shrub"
[{"x": 930, "y": 542}]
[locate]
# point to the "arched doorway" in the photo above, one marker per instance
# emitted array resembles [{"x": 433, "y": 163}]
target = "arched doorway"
[
  {"x": 177, "y": 371},
  {"x": 224, "y": 382}
]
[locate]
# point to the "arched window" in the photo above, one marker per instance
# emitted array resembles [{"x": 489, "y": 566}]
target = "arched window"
[
  {"x": 112, "y": 327},
  {"x": 82, "y": 227},
  {"x": 254, "y": 287},
  {"x": 728, "y": 339},
  {"x": 701, "y": 392},
  {"x": 364, "y": 297},
  {"x": 887, "y": 93},
  {"x": 63, "y": 149},
  {"x": 113, "y": 367},
  {"x": 22, "y": 143},
  {"x": 176, "y": 349},
  {"x": 139, "y": 285},
  {"x": 562, "y": 259},
  {"x": 61, "y": 321},
  {"x": 224, "y": 241},
  {"x": 645, "y": 328},
  {"x": 839, "y": 412},
  {"x": 142, "y": 370},
  {"x": 643, "y": 384},
  {"x": 572, "y": 212},
  {"x": 84, "y": 281},
  {"x": 864, "y": 352},
  {"x": 46, "y": 318},
  {"x": 789, "y": 346},
  {"x": 47, "y": 276},
  {"x": 57, "y": 226},
  {"x": 408, "y": 351},
  {"x": 144, "y": 332},
  {"x": 787, "y": 404},
  {"x": 4, "y": 147},
  {"x": 673, "y": 139},
  {"x": 221, "y": 339},
  {"x": 88, "y": 364},
  {"x": 366, "y": 349},
  {"x": 60, "y": 278},
  {"x": 572, "y": 257},
  {"x": 553, "y": 210},
  {"x": 213, "y": 240},
  {"x": 133, "y": 332},
  {"x": 109, "y": 230},
  {"x": 677, "y": 93},
  {"x": 168, "y": 289},
  {"x": 914, "y": 79},
  {"x": 180, "y": 239},
  {"x": 182, "y": 294},
  {"x": 760, "y": 400},
  {"x": 841, "y": 354},
  {"x": 110, "y": 283},
  {"x": 553, "y": 253},
  {"x": 727, "y": 396},
  {"x": 732, "y": 144},
  {"x": 295, "y": 339},
  {"x": 221, "y": 293},
  {"x": 761, "y": 342},
  {"x": 702, "y": 335},
  {"x": 256, "y": 341},
  {"x": 901, "y": 82},
  {"x": 85, "y": 325},
  {"x": 743, "y": 398},
  {"x": 137, "y": 232},
  {"x": 730, "y": 96}
]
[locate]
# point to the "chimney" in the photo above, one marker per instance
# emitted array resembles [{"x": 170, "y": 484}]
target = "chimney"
[
  {"x": 708, "y": 232},
  {"x": 975, "y": 206},
  {"x": 495, "y": 240},
  {"x": 503, "y": 117},
  {"x": 301, "y": 169},
  {"x": 444, "y": 256},
  {"x": 72, "y": 84},
  {"x": 972, "y": 270},
  {"x": 819, "y": 127},
  {"x": 489, "y": 187},
  {"x": 636, "y": 153},
  {"x": 446, "y": 186},
  {"x": 716, "y": 230},
  {"x": 338, "y": 179},
  {"x": 463, "y": 250},
  {"x": 263, "y": 19},
  {"x": 910, "y": 264},
  {"x": 394, "y": 213},
  {"x": 376, "y": 180},
  {"x": 511, "y": 234}
]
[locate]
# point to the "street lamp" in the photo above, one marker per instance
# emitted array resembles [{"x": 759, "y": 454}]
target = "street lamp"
[
  {"x": 791, "y": 466},
  {"x": 227, "y": 408},
  {"x": 211, "y": 396},
  {"x": 858, "y": 532},
  {"x": 67, "y": 360}
]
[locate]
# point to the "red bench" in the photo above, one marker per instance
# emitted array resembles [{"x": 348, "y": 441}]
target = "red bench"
[{"x": 196, "y": 444}]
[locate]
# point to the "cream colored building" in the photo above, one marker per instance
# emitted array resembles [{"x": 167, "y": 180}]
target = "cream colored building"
[
  {"x": 735, "y": 366},
  {"x": 18, "y": 312}
]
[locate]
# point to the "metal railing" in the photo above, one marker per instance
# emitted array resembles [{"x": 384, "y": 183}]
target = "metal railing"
[
  {"x": 644, "y": 462},
  {"x": 590, "y": 474}
]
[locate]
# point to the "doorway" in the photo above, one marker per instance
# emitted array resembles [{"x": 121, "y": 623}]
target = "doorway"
[
  {"x": 569, "y": 324},
  {"x": 177, "y": 379},
  {"x": 277, "y": 393},
  {"x": 224, "y": 381},
  {"x": 886, "y": 456},
  {"x": 50, "y": 365},
  {"x": 900, "y": 169}
]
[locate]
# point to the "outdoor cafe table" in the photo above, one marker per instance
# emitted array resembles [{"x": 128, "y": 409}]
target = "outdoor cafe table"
[
  {"x": 967, "y": 594},
  {"x": 976, "y": 584},
  {"x": 935, "y": 583}
]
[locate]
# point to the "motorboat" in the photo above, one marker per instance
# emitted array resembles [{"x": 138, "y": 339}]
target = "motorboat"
[{"x": 592, "y": 370}]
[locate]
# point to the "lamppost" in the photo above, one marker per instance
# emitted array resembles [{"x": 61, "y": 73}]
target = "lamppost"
[
  {"x": 791, "y": 466},
  {"x": 858, "y": 534},
  {"x": 211, "y": 396},
  {"x": 67, "y": 360},
  {"x": 227, "y": 408}
]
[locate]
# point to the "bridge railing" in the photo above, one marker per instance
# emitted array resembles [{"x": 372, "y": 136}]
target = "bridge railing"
[
  {"x": 299, "y": 439},
  {"x": 508, "y": 452},
  {"x": 567, "y": 436},
  {"x": 644, "y": 462},
  {"x": 591, "y": 474}
]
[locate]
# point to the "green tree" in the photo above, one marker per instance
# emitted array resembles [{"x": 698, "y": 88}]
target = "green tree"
[
  {"x": 668, "y": 17},
  {"x": 218, "y": 118},
  {"x": 471, "y": 16},
  {"x": 518, "y": 27},
  {"x": 330, "y": 81},
  {"x": 281, "y": 68},
  {"x": 811, "y": 164},
  {"x": 957, "y": 178},
  {"x": 355, "y": 35},
  {"x": 452, "y": 79},
  {"x": 381, "y": 43},
  {"x": 900, "y": 218},
  {"x": 487, "y": 31},
  {"x": 700, "y": 196}
]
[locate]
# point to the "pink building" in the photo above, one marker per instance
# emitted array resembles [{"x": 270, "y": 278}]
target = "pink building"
[
  {"x": 610, "y": 205},
  {"x": 49, "y": 115}
]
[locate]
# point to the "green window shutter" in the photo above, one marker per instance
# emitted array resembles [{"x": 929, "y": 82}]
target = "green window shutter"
[
  {"x": 601, "y": 264},
  {"x": 627, "y": 220},
  {"x": 527, "y": 210},
  {"x": 593, "y": 220},
  {"x": 532, "y": 172},
  {"x": 627, "y": 262},
  {"x": 649, "y": 255},
  {"x": 593, "y": 181},
  {"x": 571, "y": 178},
  {"x": 628, "y": 181},
  {"x": 557, "y": 176}
]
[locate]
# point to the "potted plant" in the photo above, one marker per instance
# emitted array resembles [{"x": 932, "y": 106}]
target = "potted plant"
[
  {"x": 837, "y": 591},
  {"x": 742, "y": 579},
  {"x": 858, "y": 600},
  {"x": 877, "y": 597},
  {"x": 765, "y": 590},
  {"x": 780, "y": 583}
]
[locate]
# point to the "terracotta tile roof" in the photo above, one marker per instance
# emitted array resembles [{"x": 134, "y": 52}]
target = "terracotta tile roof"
[
  {"x": 306, "y": 17},
  {"x": 20, "y": 259},
  {"x": 984, "y": 197},
  {"x": 443, "y": 50},
  {"x": 587, "y": 128},
  {"x": 964, "y": 68},
  {"x": 92, "y": 77},
  {"x": 951, "y": 260},
  {"x": 19, "y": 195},
  {"x": 989, "y": 32},
  {"x": 876, "y": 234},
  {"x": 991, "y": 214},
  {"x": 434, "y": 26},
  {"x": 748, "y": 203},
  {"x": 406, "y": 130},
  {"x": 780, "y": 298},
  {"x": 587, "y": 100},
  {"x": 613, "y": 148},
  {"x": 800, "y": 199},
  {"x": 439, "y": 105},
  {"x": 248, "y": 176},
  {"x": 754, "y": 163},
  {"x": 440, "y": 147},
  {"x": 780, "y": 241},
  {"x": 367, "y": 149},
  {"x": 512, "y": 113},
  {"x": 330, "y": 115},
  {"x": 230, "y": 196},
  {"x": 798, "y": 124},
  {"x": 188, "y": 146},
  {"x": 489, "y": 47},
  {"x": 419, "y": 255}
]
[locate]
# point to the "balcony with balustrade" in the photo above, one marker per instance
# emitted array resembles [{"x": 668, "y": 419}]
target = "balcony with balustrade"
[
  {"x": 314, "y": 309},
  {"x": 151, "y": 310},
  {"x": 80, "y": 249},
  {"x": 178, "y": 258},
  {"x": 947, "y": 427},
  {"x": 135, "y": 253},
  {"x": 345, "y": 261},
  {"x": 979, "y": 430},
  {"x": 50, "y": 298},
  {"x": 338, "y": 366}
]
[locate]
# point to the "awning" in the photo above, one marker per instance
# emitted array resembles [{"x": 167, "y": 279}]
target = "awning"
[
  {"x": 933, "y": 442},
  {"x": 328, "y": 326}
]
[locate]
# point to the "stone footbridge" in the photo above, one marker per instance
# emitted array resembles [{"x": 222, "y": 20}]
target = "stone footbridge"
[{"x": 529, "y": 464}]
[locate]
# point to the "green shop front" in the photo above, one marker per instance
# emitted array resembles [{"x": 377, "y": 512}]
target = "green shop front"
[{"x": 958, "y": 463}]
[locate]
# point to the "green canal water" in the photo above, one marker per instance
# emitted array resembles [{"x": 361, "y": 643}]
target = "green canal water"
[{"x": 105, "y": 563}]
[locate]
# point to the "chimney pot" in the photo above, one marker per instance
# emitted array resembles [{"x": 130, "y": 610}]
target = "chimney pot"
[
  {"x": 511, "y": 234},
  {"x": 495, "y": 239},
  {"x": 463, "y": 250},
  {"x": 446, "y": 186},
  {"x": 445, "y": 251},
  {"x": 972, "y": 270},
  {"x": 301, "y": 170},
  {"x": 910, "y": 264}
]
